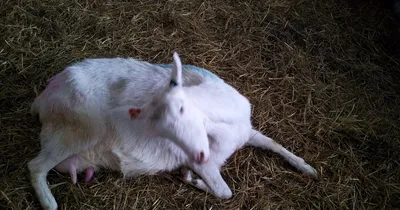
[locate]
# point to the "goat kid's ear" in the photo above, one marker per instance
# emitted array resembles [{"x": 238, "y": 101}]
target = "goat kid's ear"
[
  {"x": 134, "y": 113},
  {"x": 176, "y": 74}
]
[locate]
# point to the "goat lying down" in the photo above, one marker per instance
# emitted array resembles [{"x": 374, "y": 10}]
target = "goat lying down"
[{"x": 141, "y": 118}]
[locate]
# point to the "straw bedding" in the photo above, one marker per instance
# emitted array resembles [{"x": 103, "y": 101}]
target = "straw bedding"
[{"x": 322, "y": 75}]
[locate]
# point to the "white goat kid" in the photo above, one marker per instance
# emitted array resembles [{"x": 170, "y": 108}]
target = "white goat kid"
[{"x": 137, "y": 118}]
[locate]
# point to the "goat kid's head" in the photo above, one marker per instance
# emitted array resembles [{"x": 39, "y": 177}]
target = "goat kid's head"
[{"x": 170, "y": 114}]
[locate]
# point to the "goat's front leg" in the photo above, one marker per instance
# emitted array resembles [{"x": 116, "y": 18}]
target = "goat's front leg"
[
  {"x": 213, "y": 181},
  {"x": 188, "y": 178}
]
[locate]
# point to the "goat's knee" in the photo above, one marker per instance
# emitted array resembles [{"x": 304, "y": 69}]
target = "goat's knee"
[
  {"x": 210, "y": 173},
  {"x": 189, "y": 178}
]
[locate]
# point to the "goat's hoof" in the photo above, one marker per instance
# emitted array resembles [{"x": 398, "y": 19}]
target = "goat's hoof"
[
  {"x": 52, "y": 206},
  {"x": 224, "y": 193},
  {"x": 310, "y": 171},
  {"x": 49, "y": 204}
]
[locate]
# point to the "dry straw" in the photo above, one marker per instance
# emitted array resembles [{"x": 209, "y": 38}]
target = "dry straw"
[{"x": 319, "y": 73}]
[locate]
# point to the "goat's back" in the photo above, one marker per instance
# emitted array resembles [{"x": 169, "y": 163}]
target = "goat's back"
[{"x": 98, "y": 85}]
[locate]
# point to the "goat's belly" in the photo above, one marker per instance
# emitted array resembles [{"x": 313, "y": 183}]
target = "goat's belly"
[
  {"x": 135, "y": 163},
  {"x": 99, "y": 159}
]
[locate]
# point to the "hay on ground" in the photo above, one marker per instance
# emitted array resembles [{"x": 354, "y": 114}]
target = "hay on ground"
[{"x": 323, "y": 77}]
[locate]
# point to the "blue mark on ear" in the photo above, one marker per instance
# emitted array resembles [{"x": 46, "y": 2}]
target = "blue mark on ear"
[
  {"x": 172, "y": 83},
  {"x": 191, "y": 68}
]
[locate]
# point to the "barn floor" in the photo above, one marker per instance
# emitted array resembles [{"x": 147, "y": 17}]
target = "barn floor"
[{"x": 323, "y": 76}]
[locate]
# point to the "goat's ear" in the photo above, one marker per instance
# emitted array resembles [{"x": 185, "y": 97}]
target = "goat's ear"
[
  {"x": 134, "y": 113},
  {"x": 176, "y": 74}
]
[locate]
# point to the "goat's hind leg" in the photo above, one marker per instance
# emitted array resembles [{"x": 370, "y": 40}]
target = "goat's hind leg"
[
  {"x": 51, "y": 154},
  {"x": 257, "y": 139}
]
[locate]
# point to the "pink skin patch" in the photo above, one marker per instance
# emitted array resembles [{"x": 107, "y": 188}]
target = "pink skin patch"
[
  {"x": 55, "y": 84},
  {"x": 70, "y": 165},
  {"x": 89, "y": 174}
]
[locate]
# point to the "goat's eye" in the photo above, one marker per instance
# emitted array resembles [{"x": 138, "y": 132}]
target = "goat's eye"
[
  {"x": 181, "y": 110},
  {"x": 172, "y": 83}
]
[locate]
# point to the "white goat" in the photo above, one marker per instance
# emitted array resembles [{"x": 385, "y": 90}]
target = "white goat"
[{"x": 141, "y": 118}]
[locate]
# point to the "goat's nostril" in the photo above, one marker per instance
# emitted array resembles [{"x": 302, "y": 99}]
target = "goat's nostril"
[{"x": 201, "y": 156}]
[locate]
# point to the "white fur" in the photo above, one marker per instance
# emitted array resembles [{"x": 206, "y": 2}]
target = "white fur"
[{"x": 84, "y": 112}]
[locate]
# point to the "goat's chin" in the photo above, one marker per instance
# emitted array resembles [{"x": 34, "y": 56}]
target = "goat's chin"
[{"x": 184, "y": 149}]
